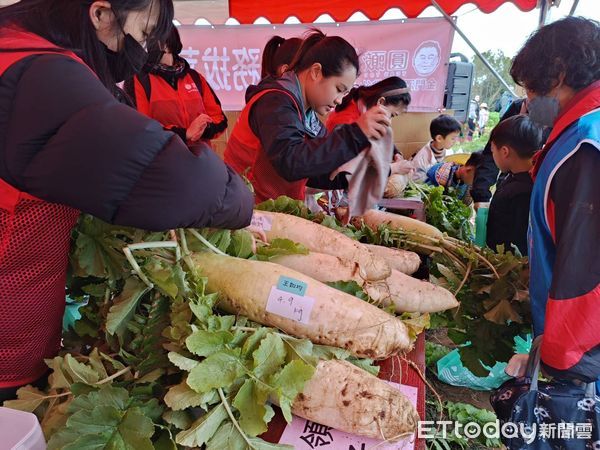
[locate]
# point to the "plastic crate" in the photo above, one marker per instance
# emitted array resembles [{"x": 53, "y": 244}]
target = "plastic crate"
[{"x": 20, "y": 431}]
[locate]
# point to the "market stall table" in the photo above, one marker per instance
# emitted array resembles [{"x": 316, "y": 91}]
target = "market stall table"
[{"x": 404, "y": 204}]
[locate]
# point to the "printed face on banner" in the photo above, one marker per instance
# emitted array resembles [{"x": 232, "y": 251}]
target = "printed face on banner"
[
  {"x": 427, "y": 58},
  {"x": 229, "y": 57}
]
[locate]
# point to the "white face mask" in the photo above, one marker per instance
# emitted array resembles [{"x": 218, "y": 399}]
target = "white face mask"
[{"x": 543, "y": 110}]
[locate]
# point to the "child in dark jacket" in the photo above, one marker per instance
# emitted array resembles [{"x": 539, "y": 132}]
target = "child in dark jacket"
[{"x": 514, "y": 142}]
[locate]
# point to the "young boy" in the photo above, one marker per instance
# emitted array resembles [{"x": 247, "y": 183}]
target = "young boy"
[
  {"x": 514, "y": 142},
  {"x": 444, "y": 130},
  {"x": 457, "y": 176}
]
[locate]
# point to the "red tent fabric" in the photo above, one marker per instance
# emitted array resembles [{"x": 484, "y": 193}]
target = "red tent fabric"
[{"x": 276, "y": 11}]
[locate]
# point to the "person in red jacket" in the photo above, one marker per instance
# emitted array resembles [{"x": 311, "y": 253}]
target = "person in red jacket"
[
  {"x": 392, "y": 93},
  {"x": 276, "y": 59},
  {"x": 280, "y": 132},
  {"x": 68, "y": 146},
  {"x": 176, "y": 95}
]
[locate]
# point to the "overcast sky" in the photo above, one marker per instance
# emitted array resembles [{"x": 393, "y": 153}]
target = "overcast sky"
[{"x": 508, "y": 27}]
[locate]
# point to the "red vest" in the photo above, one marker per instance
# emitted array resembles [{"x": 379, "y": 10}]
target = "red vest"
[
  {"x": 348, "y": 115},
  {"x": 174, "y": 107},
  {"x": 34, "y": 249},
  {"x": 244, "y": 153}
]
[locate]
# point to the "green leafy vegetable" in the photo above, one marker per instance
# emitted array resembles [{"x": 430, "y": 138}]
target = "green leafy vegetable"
[
  {"x": 280, "y": 247},
  {"x": 143, "y": 361},
  {"x": 107, "y": 418},
  {"x": 444, "y": 210}
]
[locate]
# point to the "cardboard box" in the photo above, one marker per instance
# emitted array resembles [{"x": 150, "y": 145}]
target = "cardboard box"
[{"x": 411, "y": 131}]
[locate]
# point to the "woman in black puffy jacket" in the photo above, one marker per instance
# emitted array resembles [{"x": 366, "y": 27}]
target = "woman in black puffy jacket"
[{"x": 68, "y": 146}]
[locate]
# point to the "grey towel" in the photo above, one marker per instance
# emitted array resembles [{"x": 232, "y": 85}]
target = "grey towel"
[{"x": 367, "y": 175}]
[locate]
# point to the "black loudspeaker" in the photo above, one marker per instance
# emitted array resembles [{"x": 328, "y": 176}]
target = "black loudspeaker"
[{"x": 458, "y": 89}]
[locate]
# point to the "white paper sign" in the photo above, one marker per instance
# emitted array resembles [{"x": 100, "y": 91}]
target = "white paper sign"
[
  {"x": 261, "y": 222},
  {"x": 291, "y": 306},
  {"x": 305, "y": 435}
]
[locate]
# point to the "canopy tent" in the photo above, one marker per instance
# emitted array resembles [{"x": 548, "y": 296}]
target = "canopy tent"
[
  {"x": 276, "y": 11},
  {"x": 307, "y": 11}
]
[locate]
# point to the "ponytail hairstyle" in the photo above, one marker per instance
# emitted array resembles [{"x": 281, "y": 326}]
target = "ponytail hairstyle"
[
  {"x": 394, "y": 90},
  {"x": 268, "y": 57},
  {"x": 333, "y": 53},
  {"x": 278, "y": 52},
  {"x": 66, "y": 23},
  {"x": 285, "y": 54}
]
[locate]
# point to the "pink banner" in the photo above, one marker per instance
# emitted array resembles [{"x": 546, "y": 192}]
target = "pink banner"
[{"x": 416, "y": 50}]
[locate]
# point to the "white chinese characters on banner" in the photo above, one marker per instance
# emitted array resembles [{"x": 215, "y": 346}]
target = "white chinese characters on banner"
[
  {"x": 225, "y": 70},
  {"x": 398, "y": 60},
  {"x": 246, "y": 70},
  {"x": 191, "y": 55},
  {"x": 215, "y": 63},
  {"x": 415, "y": 50}
]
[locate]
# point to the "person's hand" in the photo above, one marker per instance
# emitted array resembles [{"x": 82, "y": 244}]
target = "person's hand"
[
  {"x": 517, "y": 366},
  {"x": 400, "y": 166},
  {"x": 375, "y": 122},
  {"x": 257, "y": 232},
  {"x": 258, "y": 235},
  {"x": 196, "y": 129}
]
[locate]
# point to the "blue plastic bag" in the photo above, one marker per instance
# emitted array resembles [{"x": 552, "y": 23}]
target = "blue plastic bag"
[
  {"x": 451, "y": 370},
  {"x": 72, "y": 313}
]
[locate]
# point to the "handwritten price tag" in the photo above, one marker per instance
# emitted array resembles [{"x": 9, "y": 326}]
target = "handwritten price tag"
[
  {"x": 261, "y": 222},
  {"x": 291, "y": 285},
  {"x": 289, "y": 305}
]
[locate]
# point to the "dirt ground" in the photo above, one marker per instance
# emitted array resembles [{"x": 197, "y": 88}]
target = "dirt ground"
[{"x": 479, "y": 399}]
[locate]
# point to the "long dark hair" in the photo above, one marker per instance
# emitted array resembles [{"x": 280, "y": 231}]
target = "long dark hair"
[
  {"x": 370, "y": 94},
  {"x": 66, "y": 23},
  {"x": 277, "y": 52},
  {"x": 334, "y": 54},
  {"x": 173, "y": 42}
]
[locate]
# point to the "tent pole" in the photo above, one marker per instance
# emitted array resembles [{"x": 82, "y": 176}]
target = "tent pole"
[
  {"x": 477, "y": 52},
  {"x": 544, "y": 8},
  {"x": 574, "y": 7}
]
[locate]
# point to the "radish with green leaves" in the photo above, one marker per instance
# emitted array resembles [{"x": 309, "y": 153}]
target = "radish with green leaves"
[
  {"x": 347, "y": 398},
  {"x": 400, "y": 260},
  {"x": 323, "y": 314},
  {"x": 406, "y": 293},
  {"x": 409, "y": 294},
  {"x": 321, "y": 239},
  {"x": 374, "y": 218}
]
